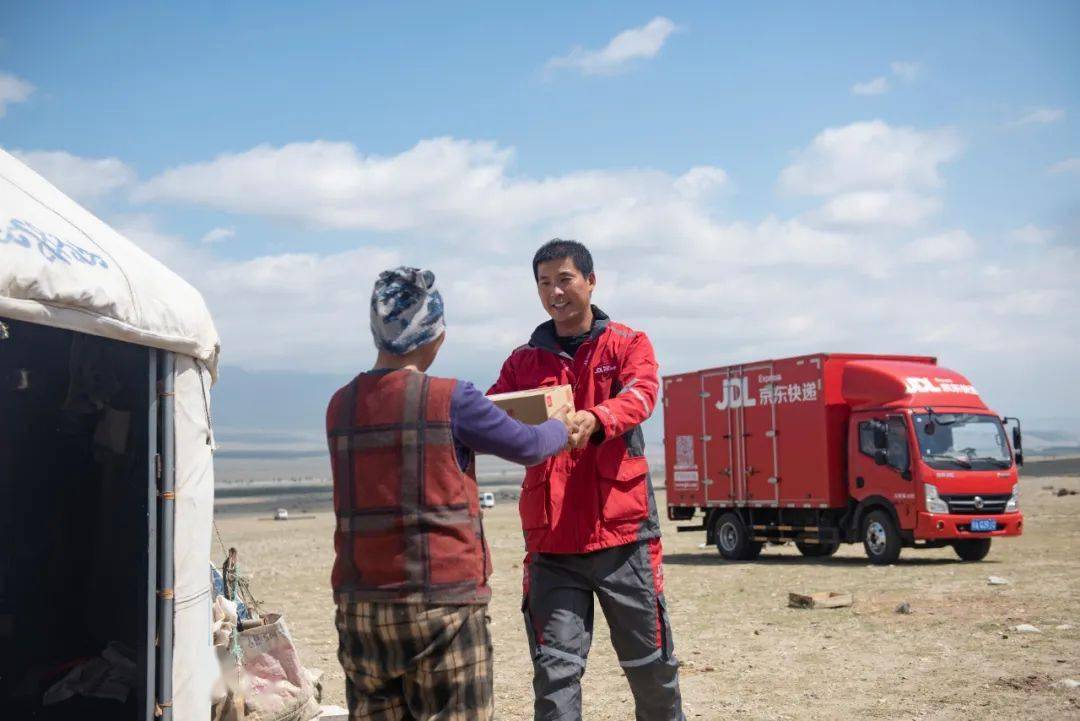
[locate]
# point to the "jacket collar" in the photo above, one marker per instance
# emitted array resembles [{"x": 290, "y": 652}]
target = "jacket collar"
[{"x": 544, "y": 336}]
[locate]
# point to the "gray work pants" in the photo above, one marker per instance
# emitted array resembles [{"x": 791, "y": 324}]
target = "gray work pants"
[{"x": 558, "y": 608}]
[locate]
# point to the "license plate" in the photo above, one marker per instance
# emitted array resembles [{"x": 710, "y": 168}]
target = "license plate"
[{"x": 984, "y": 524}]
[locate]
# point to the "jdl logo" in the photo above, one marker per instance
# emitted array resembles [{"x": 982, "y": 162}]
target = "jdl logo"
[
  {"x": 736, "y": 394},
  {"x": 925, "y": 385},
  {"x": 920, "y": 385}
]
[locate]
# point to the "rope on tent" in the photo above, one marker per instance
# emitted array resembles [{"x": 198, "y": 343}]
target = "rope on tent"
[{"x": 200, "y": 367}]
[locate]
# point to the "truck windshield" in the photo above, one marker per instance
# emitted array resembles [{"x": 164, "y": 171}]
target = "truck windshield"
[{"x": 962, "y": 440}]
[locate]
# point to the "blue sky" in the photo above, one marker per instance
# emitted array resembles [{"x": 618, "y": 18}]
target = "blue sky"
[{"x": 898, "y": 178}]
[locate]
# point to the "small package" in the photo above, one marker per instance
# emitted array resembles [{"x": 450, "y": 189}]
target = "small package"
[{"x": 537, "y": 405}]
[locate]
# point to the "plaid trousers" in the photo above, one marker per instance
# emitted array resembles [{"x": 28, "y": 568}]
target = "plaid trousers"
[{"x": 416, "y": 662}]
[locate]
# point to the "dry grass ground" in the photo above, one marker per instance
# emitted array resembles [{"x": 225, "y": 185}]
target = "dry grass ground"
[{"x": 744, "y": 654}]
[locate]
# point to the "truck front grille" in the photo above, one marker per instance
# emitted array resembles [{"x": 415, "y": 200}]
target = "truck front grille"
[{"x": 968, "y": 505}]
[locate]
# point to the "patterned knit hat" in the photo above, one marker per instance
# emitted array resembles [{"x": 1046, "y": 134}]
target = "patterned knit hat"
[{"x": 406, "y": 310}]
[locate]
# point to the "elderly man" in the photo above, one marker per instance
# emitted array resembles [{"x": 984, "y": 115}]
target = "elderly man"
[
  {"x": 589, "y": 515},
  {"x": 411, "y": 568}
]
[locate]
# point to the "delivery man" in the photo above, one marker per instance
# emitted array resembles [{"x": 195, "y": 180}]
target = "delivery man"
[
  {"x": 411, "y": 567},
  {"x": 589, "y": 514}
]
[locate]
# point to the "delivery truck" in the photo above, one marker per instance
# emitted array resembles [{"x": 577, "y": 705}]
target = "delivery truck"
[{"x": 889, "y": 451}]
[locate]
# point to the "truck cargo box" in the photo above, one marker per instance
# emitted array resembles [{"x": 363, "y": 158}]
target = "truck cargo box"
[{"x": 765, "y": 434}]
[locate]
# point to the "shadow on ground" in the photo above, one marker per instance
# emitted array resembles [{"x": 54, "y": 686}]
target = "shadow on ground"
[{"x": 710, "y": 557}]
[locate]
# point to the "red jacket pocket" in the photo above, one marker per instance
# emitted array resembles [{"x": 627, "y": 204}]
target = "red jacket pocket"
[
  {"x": 623, "y": 496},
  {"x": 533, "y": 504}
]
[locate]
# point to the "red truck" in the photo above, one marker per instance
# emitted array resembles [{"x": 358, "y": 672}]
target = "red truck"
[{"x": 892, "y": 451}]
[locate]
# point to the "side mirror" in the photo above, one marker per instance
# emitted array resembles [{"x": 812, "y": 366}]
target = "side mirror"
[
  {"x": 1017, "y": 439},
  {"x": 881, "y": 456}
]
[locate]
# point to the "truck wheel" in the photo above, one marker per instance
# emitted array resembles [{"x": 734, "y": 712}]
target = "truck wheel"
[
  {"x": 733, "y": 539},
  {"x": 974, "y": 549},
  {"x": 753, "y": 550},
  {"x": 816, "y": 550},
  {"x": 881, "y": 538}
]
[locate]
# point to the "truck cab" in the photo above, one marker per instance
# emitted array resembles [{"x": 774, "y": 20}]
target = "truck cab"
[{"x": 931, "y": 459}]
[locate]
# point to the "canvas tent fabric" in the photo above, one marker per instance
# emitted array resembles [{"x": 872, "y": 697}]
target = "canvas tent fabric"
[
  {"x": 61, "y": 266},
  {"x": 195, "y": 665}
]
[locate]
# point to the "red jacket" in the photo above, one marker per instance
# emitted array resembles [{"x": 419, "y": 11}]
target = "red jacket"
[
  {"x": 408, "y": 518},
  {"x": 601, "y": 495}
]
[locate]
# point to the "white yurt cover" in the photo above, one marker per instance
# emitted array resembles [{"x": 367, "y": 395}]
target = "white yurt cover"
[
  {"x": 195, "y": 665},
  {"x": 61, "y": 266}
]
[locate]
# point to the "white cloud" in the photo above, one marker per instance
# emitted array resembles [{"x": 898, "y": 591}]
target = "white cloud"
[
  {"x": 465, "y": 191},
  {"x": 873, "y": 176},
  {"x": 1031, "y": 302},
  {"x": 905, "y": 70},
  {"x": 13, "y": 90},
  {"x": 868, "y": 156},
  {"x": 878, "y": 208},
  {"x": 1032, "y": 234},
  {"x": 877, "y": 86},
  {"x": 948, "y": 247},
  {"x": 1069, "y": 165},
  {"x": 440, "y": 185},
  {"x": 633, "y": 44},
  {"x": 455, "y": 195},
  {"x": 217, "y": 235},
  {"x": 701, "y": 181},
  {"x": 1039, "y": 116},
  {"x": 84, "y": 179}
]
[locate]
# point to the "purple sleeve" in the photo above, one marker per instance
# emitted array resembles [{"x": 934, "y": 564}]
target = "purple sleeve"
[{"x": 480, "y": 425}]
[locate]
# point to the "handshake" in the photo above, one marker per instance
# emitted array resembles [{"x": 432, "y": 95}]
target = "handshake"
[{"x": 580, "y": 426}]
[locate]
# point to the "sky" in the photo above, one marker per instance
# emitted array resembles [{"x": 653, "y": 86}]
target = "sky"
[{"x": 755, "y": 181}]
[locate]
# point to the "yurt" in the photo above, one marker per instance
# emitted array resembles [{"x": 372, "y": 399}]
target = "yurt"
[{"x": 106, "y": 475}]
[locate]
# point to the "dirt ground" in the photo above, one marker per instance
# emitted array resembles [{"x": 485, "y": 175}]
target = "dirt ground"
[{"x": 744, "y": 653}]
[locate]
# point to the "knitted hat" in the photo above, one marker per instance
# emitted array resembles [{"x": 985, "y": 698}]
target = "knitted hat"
[{"x": 406, "y": 310}]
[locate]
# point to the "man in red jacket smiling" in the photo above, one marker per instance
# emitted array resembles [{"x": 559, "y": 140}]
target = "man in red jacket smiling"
[{"x": 589, "y": 514}]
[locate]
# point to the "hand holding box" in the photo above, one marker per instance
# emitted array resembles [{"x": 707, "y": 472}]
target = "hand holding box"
[{"x": 537, "y": 405}]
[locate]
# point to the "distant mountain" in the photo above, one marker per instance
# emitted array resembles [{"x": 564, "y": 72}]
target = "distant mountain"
[
  {"x": 270, "y": 424},
  {"x": 247, "y": 402},
  {"x": 1052, "y": 436}
]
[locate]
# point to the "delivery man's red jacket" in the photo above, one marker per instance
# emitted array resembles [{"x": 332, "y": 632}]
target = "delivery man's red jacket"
[{"x": 599, "y": 496}]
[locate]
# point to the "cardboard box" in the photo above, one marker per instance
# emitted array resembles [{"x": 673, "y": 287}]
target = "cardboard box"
[{"x": 537, "y": 405}]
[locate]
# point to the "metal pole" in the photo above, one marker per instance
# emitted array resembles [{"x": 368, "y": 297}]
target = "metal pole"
[
  {"x": 148, "y": 610},
  {"x": 166, "y": 538}
]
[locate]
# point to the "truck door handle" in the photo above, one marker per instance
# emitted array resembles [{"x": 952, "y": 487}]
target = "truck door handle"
[
  {"x": 859, "y": 482},
  {"x": 750, "y": 470}
]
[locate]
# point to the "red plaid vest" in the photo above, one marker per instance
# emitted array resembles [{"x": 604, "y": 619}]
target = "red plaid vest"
[{"x": 408, "y": 518}]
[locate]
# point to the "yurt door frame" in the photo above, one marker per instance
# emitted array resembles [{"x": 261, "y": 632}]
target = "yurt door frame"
[{"x": 155, "y": 690}]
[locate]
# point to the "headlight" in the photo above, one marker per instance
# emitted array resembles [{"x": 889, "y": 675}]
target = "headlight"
[
  {"x": 1014, "y": 500},
  {"x": 934, "y": 502}
]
